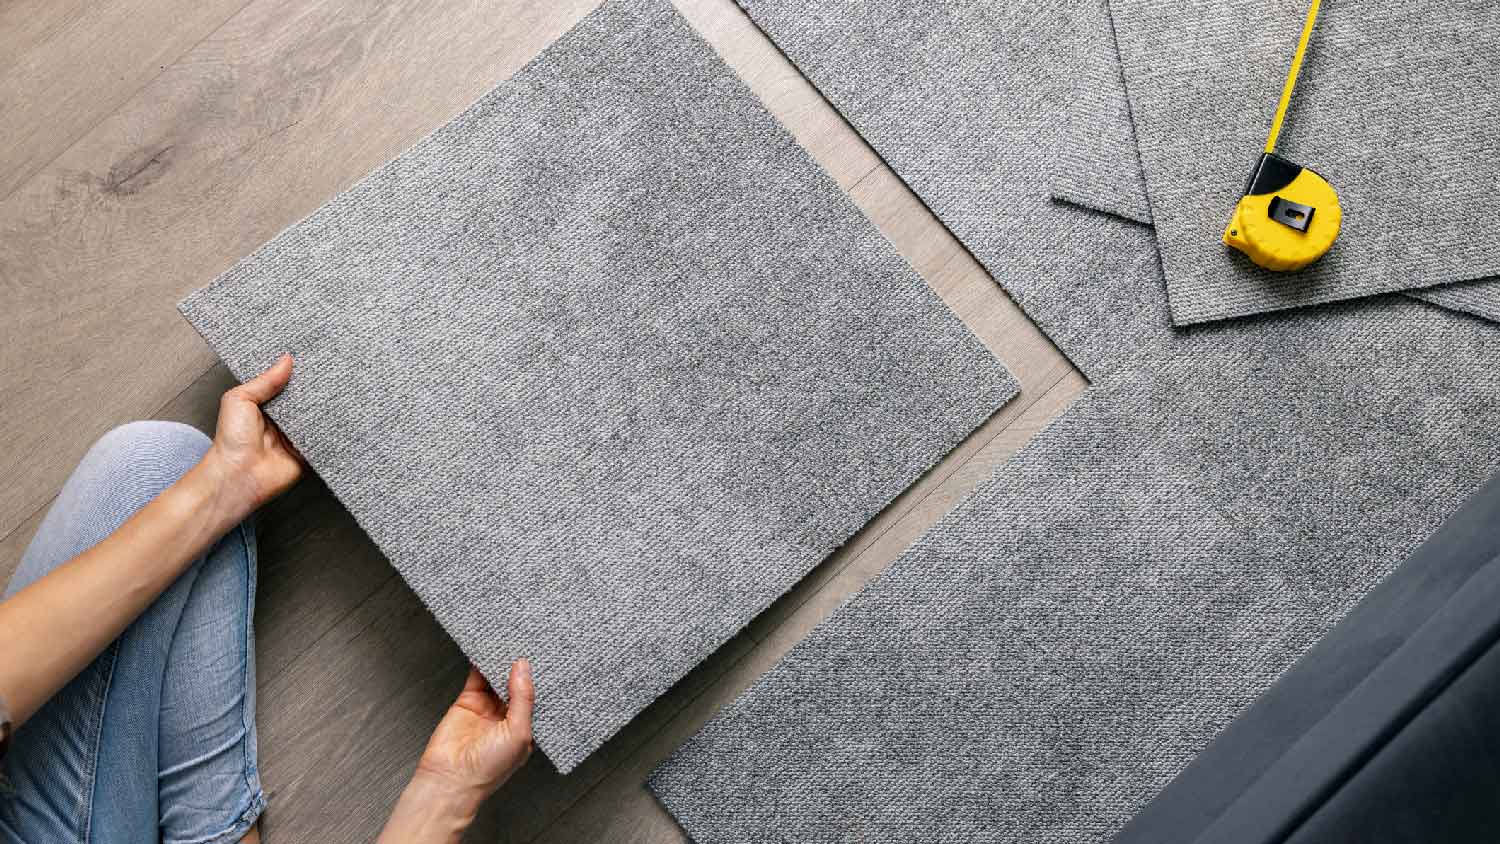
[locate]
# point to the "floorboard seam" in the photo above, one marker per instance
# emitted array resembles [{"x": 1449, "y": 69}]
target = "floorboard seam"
[
  {"x": 26, "y": 179},
  {"x": 269, "y": 679}
]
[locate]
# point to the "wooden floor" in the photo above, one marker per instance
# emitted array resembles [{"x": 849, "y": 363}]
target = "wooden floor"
[{"x": 145, "y": 145}]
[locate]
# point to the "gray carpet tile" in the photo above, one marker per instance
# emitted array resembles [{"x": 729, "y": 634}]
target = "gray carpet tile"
[
  {"x": 1396, "y": 107},
  {"x": 1097, "y": 164},
  {"x": 604, "y": 365},
  {"x": 921, "y": 88},
  {"x": 1480, "y": 298},
  {"x": 1049, "y": 656}
]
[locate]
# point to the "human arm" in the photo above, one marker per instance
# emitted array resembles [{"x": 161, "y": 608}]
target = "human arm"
[{"x": 57, "y": 625}]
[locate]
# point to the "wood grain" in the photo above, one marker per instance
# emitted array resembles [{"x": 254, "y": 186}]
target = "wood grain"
[
  {"x": 26, "y": 23},
  {"x": 278, "y": 109},
  {"x": 69, "y": 64},
  {"x": 253, "y": 126}
]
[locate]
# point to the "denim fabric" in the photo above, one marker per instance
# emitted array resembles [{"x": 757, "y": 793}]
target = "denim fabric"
[
  {"x": 155, "y": 740},
  {"x": 636, "y": 363}
]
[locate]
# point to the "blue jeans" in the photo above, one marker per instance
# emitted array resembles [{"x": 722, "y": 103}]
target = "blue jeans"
[{"x": 155, "y": 740}]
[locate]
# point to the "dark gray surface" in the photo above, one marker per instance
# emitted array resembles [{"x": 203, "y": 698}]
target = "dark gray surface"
[
  {"x": 604, "y": 365},
  {"x": 1052, "y": 653},
  {"x": 1396, "y": 107},
  {"x": 1311, "y": 734},
  {"x": 1097, "y": 164},
  {"x": 1435, "y": 781}
]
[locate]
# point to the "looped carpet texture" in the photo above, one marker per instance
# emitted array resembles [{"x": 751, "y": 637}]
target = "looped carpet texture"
[
  {"x": 1051, "y": 654},
  {"x": 1394, "y": 106},
  {"x": 604, "y": 365}
]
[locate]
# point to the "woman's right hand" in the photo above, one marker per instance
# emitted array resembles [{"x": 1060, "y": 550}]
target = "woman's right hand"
[{"x": 477, "y": 745}]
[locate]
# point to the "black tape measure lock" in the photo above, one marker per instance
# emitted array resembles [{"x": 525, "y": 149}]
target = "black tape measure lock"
[{"x": 1289, "y": 215}]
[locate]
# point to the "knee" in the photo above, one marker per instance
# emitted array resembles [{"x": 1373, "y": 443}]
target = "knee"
[
  {"x": 148, "y": 455},
  {"x": 123, "y": 471}
]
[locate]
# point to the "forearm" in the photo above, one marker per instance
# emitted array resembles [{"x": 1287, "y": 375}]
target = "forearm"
[
  {"x": 430, "y": 812},
  {"x": 57, "y": 625}
]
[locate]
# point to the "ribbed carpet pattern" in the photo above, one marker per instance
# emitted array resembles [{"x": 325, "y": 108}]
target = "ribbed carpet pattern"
[
  {"x": 1052, "y": 653},
  {"x": 1395, "y": 107},
  {"x": 604, "y": 365}
]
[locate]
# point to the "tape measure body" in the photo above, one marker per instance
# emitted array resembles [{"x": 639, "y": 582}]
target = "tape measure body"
[{"x": 1288, "y": 217}]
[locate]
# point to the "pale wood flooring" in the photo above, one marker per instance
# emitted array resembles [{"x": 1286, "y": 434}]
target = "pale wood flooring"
[{"x": 145, "y": 145}]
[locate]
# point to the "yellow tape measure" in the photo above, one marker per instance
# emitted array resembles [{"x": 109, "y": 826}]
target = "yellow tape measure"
[{"x": 1289, "y": 215}]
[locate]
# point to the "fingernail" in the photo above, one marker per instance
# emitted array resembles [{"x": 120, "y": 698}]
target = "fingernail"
[{"x": 523, "y": 669}]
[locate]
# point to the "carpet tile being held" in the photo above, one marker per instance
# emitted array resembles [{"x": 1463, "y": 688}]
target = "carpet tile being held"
[
  {"x": 1054, "y": 651},
  {"x": 604, "y": 365}
]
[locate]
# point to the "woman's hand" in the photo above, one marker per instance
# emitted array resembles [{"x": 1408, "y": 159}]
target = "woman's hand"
[
  {"x": 57, "y": 625},
  {"x": 482, "y": 739},
  {"x": 480, "y": 742},
  {"x": 252, "y": 458}
]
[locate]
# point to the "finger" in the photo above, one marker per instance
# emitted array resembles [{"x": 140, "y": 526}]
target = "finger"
[
  {"x": 286, "y": 444},
  {"x": 479, "y": 698},
  {"x": 475, "y": 682},
  {"x": 267, "y": 385},
  {"x": 522, "y": 699}
]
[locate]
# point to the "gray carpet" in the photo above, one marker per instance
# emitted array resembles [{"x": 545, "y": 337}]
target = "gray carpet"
[
  {"x": 1098, "y": 166},
  {"x": 917, "y": 87},
  {"x": 1095, "y": 163},
  {"x": 1044, "y": 660},
  {"x": 604, "y": 365},
  {"x": 1396, "y": 108}
]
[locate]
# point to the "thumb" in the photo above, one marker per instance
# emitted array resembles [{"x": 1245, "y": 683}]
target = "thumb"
[
  {"x": 267, "y": 385},
  {"x": 522, "y": 699}
]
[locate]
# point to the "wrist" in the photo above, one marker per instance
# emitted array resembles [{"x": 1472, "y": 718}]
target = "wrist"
[
  {"x": 432, "y": 808},
  {"x": 226, "y": 483},
  {"x": 209, "y": 492},
  {"x": 450, "y": 793}
]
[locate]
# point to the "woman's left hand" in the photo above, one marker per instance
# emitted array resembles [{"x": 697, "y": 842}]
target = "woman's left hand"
[{"x": 255, "y": 460}]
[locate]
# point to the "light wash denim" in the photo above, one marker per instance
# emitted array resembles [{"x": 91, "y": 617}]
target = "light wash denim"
[{"x": 155, "y": 740}]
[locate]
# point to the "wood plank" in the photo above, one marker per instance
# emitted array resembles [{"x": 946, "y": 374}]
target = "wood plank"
[
  {"x": 253, "y": 129},
  {"x": 13, "y": 545},
  {"x": 340, "y": 731},
  {"x": 26, "y": 23},
  {"x": 74, "y": 63},
  {"x": 284, "y": 105},
  {"x": 619, "y": 809}
]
